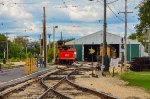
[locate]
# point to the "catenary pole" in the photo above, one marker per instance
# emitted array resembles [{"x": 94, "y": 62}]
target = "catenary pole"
[
  {"x": 125, "y": 35},
  {"x": 104, "y": 37},
  {"x": 49, "y": 35},
  {"x": 54, "y": 44},
  {"x": 44, "y": 38}
]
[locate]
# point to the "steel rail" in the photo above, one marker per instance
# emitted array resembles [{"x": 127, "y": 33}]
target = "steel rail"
[
  {"x": 10, "y": 83},
  {"x": 36, "y": 77},
  {"x": 51, "y": 89},
  {"x": 44, "y": 95},
  {"x": 103, "y": 95}
]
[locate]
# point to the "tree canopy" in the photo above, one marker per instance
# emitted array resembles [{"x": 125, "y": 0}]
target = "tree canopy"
[
  {"x": 144, "y": 21},
  {"x": 144, "y": 17},
  {"x": 17, "y": 49}
]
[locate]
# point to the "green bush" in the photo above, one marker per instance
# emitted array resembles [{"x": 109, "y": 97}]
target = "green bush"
[
  {"x": 50, "y": 55},
  {"x": 7, "y": 66}
]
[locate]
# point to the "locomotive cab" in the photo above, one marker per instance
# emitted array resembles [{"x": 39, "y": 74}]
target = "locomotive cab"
[{"x": 65, "y": 54}]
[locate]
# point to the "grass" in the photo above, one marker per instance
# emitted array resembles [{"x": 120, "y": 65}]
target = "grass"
[
  {"x": 7, "y": 66},
  {"x": 141, "y": 79}
]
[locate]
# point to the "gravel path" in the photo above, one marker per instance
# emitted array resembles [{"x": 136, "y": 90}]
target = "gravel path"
[{"x": 114, "y": 86}]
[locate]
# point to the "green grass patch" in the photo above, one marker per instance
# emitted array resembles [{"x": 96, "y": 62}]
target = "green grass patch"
[
  {"x": 7, "y": 66},
  {"x": 141, "y": 79}
]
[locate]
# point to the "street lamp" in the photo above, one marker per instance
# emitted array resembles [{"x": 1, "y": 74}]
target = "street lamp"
[
  {"x": 49, "y": 35},
  {"x": 6, "y": 34},
  {"x": 26, "y": 46},
  {"x": 54, "y": 55}
]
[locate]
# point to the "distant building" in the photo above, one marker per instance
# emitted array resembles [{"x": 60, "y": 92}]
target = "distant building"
[{"x": 95, "y": 40}]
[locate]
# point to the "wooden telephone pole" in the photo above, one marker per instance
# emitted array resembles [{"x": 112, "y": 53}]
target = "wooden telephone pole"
[
  {"x": 44, "y": 38},
  {"x": 104, "y": 37},
  {"x": 125, "y": 35}
]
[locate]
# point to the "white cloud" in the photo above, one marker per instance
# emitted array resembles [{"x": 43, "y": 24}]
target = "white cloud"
[
  {"x": 30, "y": 17},
  {"x": 86, "y": 13},
  {"x": 14, "y": 11}
]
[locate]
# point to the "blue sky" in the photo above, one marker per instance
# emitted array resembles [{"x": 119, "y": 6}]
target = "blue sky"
[{"x": 74, "y": 18}]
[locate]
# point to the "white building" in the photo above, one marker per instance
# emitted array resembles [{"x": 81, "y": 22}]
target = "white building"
[{"x": 82, "y": 45}]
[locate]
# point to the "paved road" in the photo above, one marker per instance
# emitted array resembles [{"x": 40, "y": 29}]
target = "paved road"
[{"x": 13, "y": 74}]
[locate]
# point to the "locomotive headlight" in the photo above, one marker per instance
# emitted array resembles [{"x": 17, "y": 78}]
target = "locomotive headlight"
[{"x": 75, "y": 53}]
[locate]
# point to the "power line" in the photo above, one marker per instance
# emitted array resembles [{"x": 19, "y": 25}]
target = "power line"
[
  {"x": 120, "y": 19},
  {"x": 115, "y": 14},
  {"x": 64, "y": 3},
  {"x": 112, "y": 2},
  {"x": 26, "y": 3}
]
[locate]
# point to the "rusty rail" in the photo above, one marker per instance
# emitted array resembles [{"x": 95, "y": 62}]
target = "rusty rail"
[
  {"x": 27, "y": 80},
  {"x": 103, "y": 95},
  {"x": 52, "y": 89}
]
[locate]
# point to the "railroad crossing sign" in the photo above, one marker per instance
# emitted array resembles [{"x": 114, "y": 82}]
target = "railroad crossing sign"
[{"x": 91, "y": 51}]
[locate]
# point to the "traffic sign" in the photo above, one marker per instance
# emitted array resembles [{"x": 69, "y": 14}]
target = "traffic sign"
[{"x": 91, "y": 51}]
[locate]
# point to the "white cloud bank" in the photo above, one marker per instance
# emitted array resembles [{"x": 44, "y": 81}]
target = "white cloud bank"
[{"x": 30, "y": 16}]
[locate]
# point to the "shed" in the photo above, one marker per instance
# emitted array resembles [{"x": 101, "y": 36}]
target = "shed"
[{"x": 94, "y": 40}]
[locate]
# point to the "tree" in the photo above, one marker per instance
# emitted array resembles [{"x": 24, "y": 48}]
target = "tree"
[
  {"x": 21, "y": 41},
  {"x": 36, "y": 49},
  {"x": 144, "y": 17},
  {"x": 50, "y": 54},
  {"x": 16, "y": 51},
  {"x": 133, "y": 36}
]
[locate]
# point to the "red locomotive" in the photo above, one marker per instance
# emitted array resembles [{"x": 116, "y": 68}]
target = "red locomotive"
[{"x": 65, "y": 54}]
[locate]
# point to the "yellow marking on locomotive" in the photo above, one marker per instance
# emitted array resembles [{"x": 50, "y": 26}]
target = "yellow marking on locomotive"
[{"x": 66, "y": 55}]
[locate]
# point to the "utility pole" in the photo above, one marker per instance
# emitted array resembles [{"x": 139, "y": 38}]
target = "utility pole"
[
  {"x": 61, "y": 37},
  {"x": 104, "y": 37},
  {"x": 4, "y": 61},
  {"x": 125, "y": 35},
  {"x": 54, "y": 46},
  {"x": 44, "y": 38},
  {"x": 148, "y": 41},
  {"x": 7, "y": 47},
  {"x": 26, "y": 38},
  {"x": 49, "y": 35}
]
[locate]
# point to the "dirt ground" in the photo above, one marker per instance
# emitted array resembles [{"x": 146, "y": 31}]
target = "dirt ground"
[
  {"x": 114, "y": 86},
  {"x": 18, "y": 63}
]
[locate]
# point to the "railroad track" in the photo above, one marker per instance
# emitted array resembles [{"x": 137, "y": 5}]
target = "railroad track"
[
  {"x": 10, "y": 83},
  {"x": 25, "y": 87},
  {"x": 61, "y": 85},
  {"x": 28, "y": 87},
  {"x": 58, "y": 84}
]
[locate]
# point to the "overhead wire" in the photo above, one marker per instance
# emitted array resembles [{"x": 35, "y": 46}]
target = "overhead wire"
[
  {"x": 112, "y": 2},
  {"x": 117, "y": 17},
  {"x": 115, "y": 14},
  {"x": 68, "y": 7}
]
